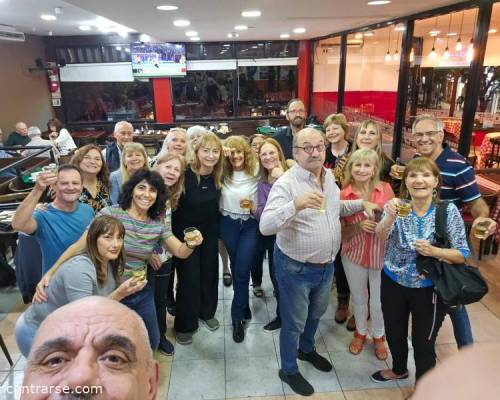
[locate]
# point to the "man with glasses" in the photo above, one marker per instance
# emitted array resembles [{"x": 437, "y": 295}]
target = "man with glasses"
[
  {"x": 296, "y": 116},
  {"x": 458, "y": 184},
  {"x": 303, "y": 211}
]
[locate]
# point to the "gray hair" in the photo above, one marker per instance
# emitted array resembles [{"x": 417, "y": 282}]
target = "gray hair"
[
  {"x": 427, "y": 117},
  {"x": 295, "y": 140},
  {"x": 120, "y": 124},
  {"x": 196, "y": 130},
  {"x": 34, "y": 131}
]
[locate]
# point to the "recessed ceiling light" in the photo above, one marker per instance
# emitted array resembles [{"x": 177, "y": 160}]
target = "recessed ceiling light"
[
  {"x": 84, "y": 28},
  {"x": 251, "y": 13},
  {"x": 284, "y": 36},
  {"x": 194, "y": 39},
  {"x": 378, "y": 2},
  {"x": 191, "y": 33},
  {"x": 493, "y": 30},
  {"x": 50, "y": 33},
  {"x": 48, "y": 17},
  {"x": 299, "y": 30},
  {"x": 144, "y": 38},
  {"x": 181, "y": 22},
  {"x": 167, "y": 7},
  {"x": 369, "y": 33},
  {"x": 240, "y": 27}
]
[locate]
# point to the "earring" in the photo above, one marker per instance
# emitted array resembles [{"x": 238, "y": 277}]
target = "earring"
[{"x": 434, "y": 194}]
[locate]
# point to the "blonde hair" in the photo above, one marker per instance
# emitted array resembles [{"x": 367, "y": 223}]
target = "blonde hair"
[
  {"x": 362, "y": 155},
  {"x": 132, "y": 147},
  {"x": 241, "y": 144},
  {"x": 363, "y": 126},
  {"x": 188, "y": 153},
  {"x": 174, "y": 192},
  {"x": 208, "y": 139},
  {"x": 420, "y": 164},
  {"x": 281, "y": 158}
]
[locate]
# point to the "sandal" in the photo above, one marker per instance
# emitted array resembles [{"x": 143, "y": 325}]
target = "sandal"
[
  {"x": 257, "y": 291},
  {"x": 380, "y": 348},
  {"x": 227, "y": 279},
  {"x": 357, "y": 343}
]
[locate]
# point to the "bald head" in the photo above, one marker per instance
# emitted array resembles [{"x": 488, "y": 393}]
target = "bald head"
[
  {"x": 309, "y": 149},
  {"x": 94, "y": 341},
  {"x": 22, "y": 128},
  {"x": 123, "y": 133}
]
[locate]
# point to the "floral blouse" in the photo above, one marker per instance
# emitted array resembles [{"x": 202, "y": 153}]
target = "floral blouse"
[{"x": 98, "y": 202}]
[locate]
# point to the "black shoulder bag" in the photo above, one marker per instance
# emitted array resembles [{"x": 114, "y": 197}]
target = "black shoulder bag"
[{"x": 454, "y": 284}]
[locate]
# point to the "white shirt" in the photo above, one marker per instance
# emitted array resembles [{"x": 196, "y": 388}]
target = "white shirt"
[
  {"x": 38, "y": 141},
  {"x": 235, "y": 188},
  {"x": 65, "y": 141}
]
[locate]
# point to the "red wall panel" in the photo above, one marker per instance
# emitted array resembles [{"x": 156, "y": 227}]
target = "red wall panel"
[
  {"x": 163, "y": 100},
  {"x": 304, "y": 72}
]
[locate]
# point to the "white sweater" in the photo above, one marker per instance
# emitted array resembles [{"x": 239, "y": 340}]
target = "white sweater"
[{"x": 239, "y": 186}]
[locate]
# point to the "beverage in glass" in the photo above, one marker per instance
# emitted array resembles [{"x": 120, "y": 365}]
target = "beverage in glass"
[
  {"x": 246, "y": 204},
  {"x": 191, "y": 235},
  {"x": 399, "y": 171},
  {"x": 480, "y": 229},
  {"x": 404, "y": 208}
]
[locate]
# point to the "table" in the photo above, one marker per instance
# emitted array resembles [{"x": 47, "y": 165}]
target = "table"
[
  {"x": 85, "y": 137},
  {"x": 487, "y": 147},
  {"x": 489, "y": 186}
]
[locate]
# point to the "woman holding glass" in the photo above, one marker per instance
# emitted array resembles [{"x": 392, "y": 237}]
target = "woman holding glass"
[
  {"x": 238, "y": 227},
  {"x": 404, "y": 291},
  {"x": 198, "y": 276},
  {"x": 363, "y": 252}
]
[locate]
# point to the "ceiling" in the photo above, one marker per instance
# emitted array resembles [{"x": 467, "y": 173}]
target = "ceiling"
[{"x": 212, "y": 19}]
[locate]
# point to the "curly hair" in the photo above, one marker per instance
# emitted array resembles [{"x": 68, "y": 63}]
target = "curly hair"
[
  {"x": 241, "y": 144},
  {"x": 155, "y": 180},
  {"x": 103, "y": 174}
]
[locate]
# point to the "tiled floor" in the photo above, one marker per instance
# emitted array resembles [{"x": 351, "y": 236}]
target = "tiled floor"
[{"x": 214, "y": 367}]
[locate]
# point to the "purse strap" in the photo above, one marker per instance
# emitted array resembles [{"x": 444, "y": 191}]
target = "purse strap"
[{"x": 440, "y": 224}]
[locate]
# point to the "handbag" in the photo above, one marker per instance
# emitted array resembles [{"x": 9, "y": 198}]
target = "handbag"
[{"x": 455, "y": 284}]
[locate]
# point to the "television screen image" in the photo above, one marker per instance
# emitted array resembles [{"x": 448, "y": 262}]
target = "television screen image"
[{"x": 151, "y": 60}]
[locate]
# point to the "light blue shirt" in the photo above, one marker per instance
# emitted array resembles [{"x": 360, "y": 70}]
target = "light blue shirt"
[{"x": 115, "y": 183}]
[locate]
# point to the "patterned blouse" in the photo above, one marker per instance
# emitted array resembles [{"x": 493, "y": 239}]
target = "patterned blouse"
[
  {"x": 400, "y": 256},
  {"x": 98, "y": 202}
]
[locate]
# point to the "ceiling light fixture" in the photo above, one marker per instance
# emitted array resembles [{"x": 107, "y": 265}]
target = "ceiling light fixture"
[
  {"x": 451, "y": 34},
  {"x": 144, "y": 38},
  {"x": 358, "y": 35},
  {"x": 284, "y": 35},
  {"x": 458, "y": 45},
  {"x": 48, "y": 17},
  {"x": 432, "y": 54},
  {"x": 299, "y": 30},
  {"x": 412, "y": 55},
  {"x": 191, "y": 33},
  {"x": 181, "y": 23},
  {"x": 195, "y": 39},
  {"x": 84, "y": 28},
  {"x": 395, "y": 57},
  {"x": 251, "y": 13},
  {"x": 240, "y": 28},
  {"x": 470, "y": 49},
  {"x": 378, "y": 2},
  {"x": 446, "y": 54},
  {"x": 166, "y": 7},
  {"x": 388, "y": 57},
  {"x": 118, "y": 48},
  {"x": 127, "y": 50}
]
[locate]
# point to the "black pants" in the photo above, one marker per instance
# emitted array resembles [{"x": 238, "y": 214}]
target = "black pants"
[
  {"x": 198, "y": 281},
  {"x": 161, "y": 279},
  {"x": 398, "y": 302},
  {"x": 340, "y": 278}
]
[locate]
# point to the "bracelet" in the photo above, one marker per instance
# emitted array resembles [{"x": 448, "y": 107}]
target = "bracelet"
[{"x": 189, "y": 247}]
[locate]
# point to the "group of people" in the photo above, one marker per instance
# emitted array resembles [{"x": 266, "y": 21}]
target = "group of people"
[{"x": 123, "y": 226}]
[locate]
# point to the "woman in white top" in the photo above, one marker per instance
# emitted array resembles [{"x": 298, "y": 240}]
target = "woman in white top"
[
  {"x": 238, "y": 227},
  {"x": 60, "y": 136}
]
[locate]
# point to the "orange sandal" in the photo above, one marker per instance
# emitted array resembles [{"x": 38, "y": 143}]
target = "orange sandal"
[
  {"x": 357, "y": 343},
  {"x": 380, "y": 348}
]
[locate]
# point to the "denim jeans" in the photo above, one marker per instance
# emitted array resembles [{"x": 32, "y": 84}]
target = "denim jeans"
[
  {"x": 143, "y": 303},
  {"x": 304, "y": 291},
  {"x": 25, "y": 333},
  {"x": 240, "y": 239},
  {"x": 461, "y": 325}
]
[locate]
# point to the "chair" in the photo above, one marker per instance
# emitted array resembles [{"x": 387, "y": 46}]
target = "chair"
[
  {"x": 6, "y": 351},
  {"x": 493, "y": 159}
]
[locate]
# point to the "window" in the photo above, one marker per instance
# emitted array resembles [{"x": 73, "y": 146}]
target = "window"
[
  {"x": 107, "y": 101},
  {"x": 204, "y": 94},
  {"x": 209, "y": 51}
]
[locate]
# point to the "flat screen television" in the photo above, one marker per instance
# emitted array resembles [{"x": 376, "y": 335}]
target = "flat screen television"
[{"x": 150, "y": 60}]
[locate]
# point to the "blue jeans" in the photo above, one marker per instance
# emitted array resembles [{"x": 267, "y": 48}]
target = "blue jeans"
[
  {"x": 461, "y": 325},
  {"x": 143, "y": 303},
  {"x": 304, "y": 291},
  {"x": 25, "y": 333},
  {"x": 240, "y": 239}
]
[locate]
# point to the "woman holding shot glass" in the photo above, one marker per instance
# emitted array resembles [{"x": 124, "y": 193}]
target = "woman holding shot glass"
[
  {"x": 410, "y": 231},
  {"x": 363, "y": 252},
  {"x": 238, "y": 227},
  {"x": 141, "y": 210},
  {"x": 198, "y": 211}
]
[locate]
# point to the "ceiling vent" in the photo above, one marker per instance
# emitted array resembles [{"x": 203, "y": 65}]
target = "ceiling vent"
[{"x": 9, "y": 33}]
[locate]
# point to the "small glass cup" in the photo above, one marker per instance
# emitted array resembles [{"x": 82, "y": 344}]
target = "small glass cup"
[
  {"x": 399, "y": 171},
  {"x": 191, "y": 234},
  {"x": 480, "y": 229},
  {"x": 246, "y": 204},
  {"x": 404, "y": 208},
  {"x": 322, "y": 208}
]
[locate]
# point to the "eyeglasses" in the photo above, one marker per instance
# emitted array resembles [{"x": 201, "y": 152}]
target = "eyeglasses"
[
  {"x": 429, "y": 134},
  {"x": 310, "y": 149}
]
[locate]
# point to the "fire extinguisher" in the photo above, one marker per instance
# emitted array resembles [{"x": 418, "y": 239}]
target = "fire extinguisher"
[{"x": 53, "y": 81}]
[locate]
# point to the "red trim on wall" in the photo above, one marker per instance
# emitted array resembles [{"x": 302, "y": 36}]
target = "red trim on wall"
[
  {"x": 163, "y": 100},
  {"x": 304, "y": 72}
]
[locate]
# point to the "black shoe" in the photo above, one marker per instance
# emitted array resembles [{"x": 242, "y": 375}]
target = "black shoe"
[
  {"x": 227, "y": 279},
  {"x": 273, "y": 325},
  {"x": 238, "y": 331},
  {"x": 166, "y": 347},
  {"x": 315, "y": 359},
  {"x": 248, "y": 314},
  {"x": 297, "y": 383}
]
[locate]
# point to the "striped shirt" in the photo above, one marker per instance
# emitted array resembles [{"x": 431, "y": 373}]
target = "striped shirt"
[
  {"x": 141, "y": 237},
  {"x": 365, "y": 248},
  {"x": 458, "y": 180},
  {"x": 307, "y": 236}
]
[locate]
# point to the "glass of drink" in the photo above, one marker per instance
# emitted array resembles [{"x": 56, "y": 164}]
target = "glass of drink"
[
  {"x": 404, "y": 207},
  {"x": 399, "y": 171},
  {"x": 246, "y": 204},
  {"x": 140, "y": 274},
  {"x": 322, "y": 208},
  {"x": 191, "y": 234},
  {"x": 480, "y": 229}
]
